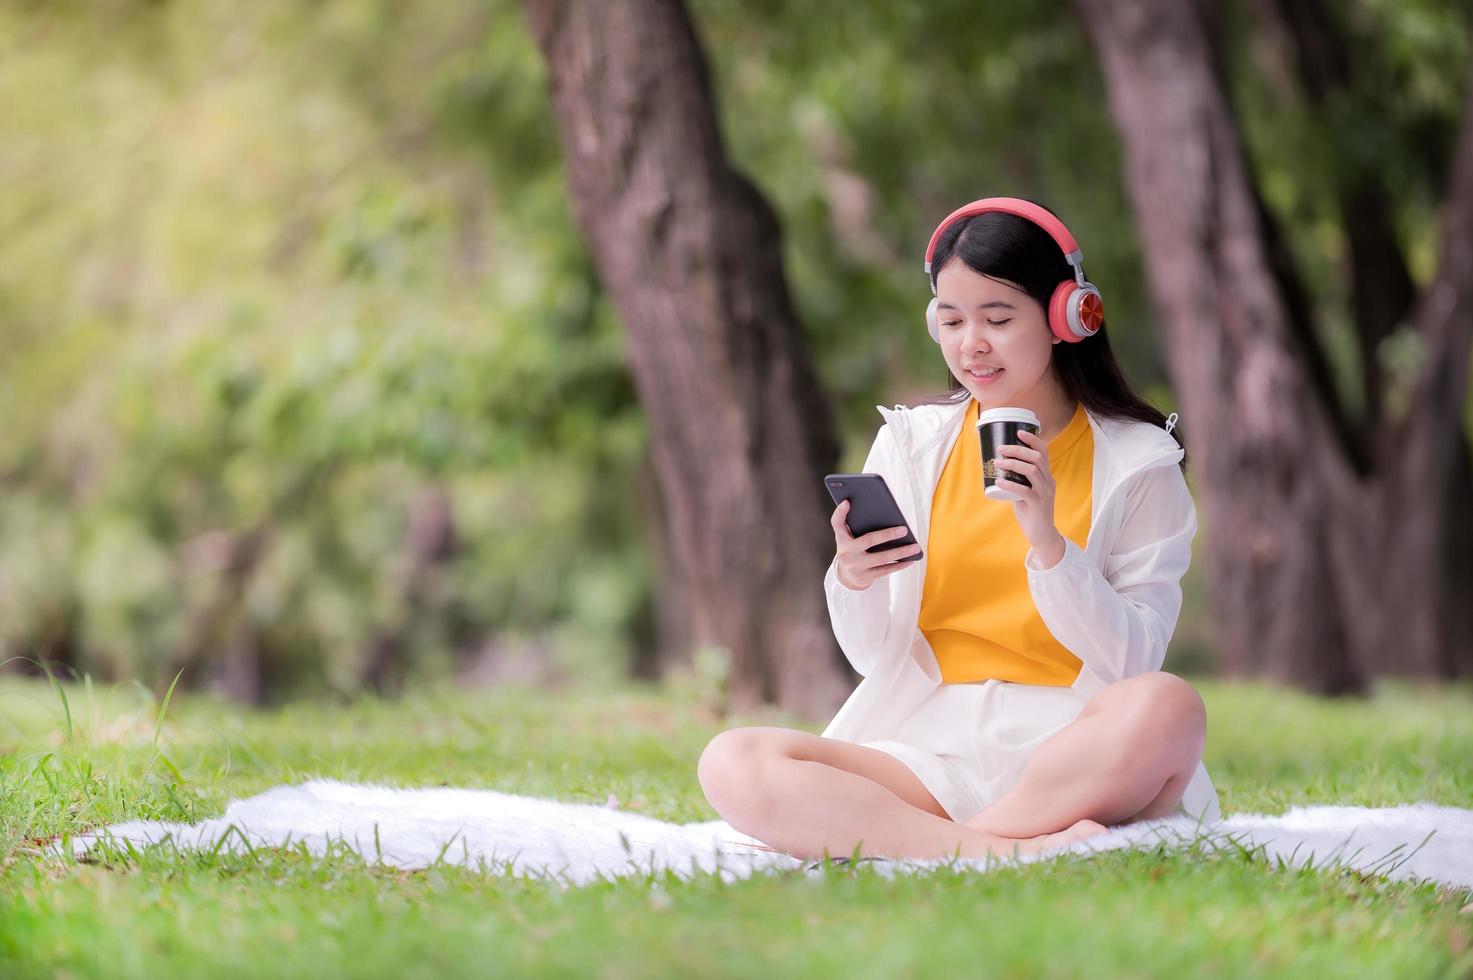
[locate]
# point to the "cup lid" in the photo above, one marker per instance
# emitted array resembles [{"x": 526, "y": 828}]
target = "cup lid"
[{"x": 1006, "y": 414}]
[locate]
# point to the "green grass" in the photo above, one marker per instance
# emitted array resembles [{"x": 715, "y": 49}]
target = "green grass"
[{"x": 85, "y": 756}]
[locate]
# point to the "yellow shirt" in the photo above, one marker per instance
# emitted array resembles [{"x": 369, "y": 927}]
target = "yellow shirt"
[{"x": 976, "y": 608}]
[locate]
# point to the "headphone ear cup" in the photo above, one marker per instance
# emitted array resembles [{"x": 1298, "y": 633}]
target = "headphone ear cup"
[
  {"x": 932, "y": 327},
  {"x": 1058, "y": 311},
  {"x": 1075, "y": 312}
]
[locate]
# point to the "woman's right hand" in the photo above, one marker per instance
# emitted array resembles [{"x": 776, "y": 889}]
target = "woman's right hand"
[{"x": 855, "y": 566}]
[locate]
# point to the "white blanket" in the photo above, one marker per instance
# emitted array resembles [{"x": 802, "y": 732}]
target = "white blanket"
[{"x": 574, "y": 843}]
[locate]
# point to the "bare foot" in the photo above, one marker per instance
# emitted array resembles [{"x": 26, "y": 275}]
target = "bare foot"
[{"x": 1007, "y": 846}]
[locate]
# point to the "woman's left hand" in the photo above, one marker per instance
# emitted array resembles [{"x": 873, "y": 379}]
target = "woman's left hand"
[{"x": 1034, "y": 506}]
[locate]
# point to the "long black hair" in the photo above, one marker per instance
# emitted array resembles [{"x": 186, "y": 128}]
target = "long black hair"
[{"x": 1008, "y": 247}]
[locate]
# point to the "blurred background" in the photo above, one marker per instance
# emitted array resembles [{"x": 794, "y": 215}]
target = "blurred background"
[{"x": 317, "y": 375}]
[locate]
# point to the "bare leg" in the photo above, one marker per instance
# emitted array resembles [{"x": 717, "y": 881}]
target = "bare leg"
[
  {"x": 768, "y": 782},
  {"x": 1129, "y": 755}
]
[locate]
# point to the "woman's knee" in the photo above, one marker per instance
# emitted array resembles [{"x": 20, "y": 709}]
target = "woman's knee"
[
  {"x": 1171, "y": 720},
  {"x": 1155, "y": 700},
  {"x": 1174, "y": 700},
  {"x": 1155, "y": 715},
  {"x": 731, "y": 765}
]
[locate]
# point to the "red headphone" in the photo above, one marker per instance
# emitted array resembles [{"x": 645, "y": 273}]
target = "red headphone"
[{"x": 1075, "y": 311}]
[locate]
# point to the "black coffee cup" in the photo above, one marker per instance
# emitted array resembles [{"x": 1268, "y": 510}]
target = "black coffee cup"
[{"x": 1000, "y": 427}]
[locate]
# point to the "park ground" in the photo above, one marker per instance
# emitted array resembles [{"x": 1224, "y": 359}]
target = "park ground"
[{"x": 79, "y": 755}]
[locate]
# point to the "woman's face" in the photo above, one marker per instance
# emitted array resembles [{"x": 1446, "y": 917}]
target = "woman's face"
[{"x": 990, "y": 323}]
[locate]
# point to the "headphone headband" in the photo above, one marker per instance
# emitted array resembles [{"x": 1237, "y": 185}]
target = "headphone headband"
[
  {"x": 1027, "y": 210},
  {"x": 1074, "y": 309}
]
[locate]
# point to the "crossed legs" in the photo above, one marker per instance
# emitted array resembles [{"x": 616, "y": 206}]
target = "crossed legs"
[
  {"x": 1127, "y": 756},
  {"x": 806, "y": 795}
]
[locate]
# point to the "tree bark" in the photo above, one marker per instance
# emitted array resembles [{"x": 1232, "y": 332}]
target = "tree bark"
[
  {"x": 430, "y": 542},
  {"x": 664, "y": 637},
  {"x": 219, "y": 634},
  {"x": 691, "y": 255},
  {"x": 1418, "y": 512},
  {"x": 1319, "y": 574}
]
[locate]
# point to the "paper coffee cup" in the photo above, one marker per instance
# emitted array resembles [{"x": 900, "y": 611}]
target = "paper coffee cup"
[{"x": 1000, "y": 427}]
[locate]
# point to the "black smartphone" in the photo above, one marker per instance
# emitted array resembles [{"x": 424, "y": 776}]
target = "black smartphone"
[{"x": 872, "y": 507}]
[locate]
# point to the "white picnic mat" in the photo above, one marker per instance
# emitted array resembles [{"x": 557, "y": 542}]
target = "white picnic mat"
[{"x": 575, "y": 843}]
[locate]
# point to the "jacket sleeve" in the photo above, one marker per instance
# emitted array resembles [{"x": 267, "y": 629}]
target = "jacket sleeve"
[
  {"x": 1118, "y": 622},
  {"x": 861, "y": 619}
]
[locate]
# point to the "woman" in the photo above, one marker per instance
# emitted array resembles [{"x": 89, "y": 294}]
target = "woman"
[{"x": 1012, "y": 697}]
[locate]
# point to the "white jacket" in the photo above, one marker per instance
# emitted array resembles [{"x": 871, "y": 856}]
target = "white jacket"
[{"x": 1113, "y": 604}]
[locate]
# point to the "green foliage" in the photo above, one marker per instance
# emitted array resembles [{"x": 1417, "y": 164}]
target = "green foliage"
[
  {"x": 284, "y": 269},
  {"x": 1391, "y": 128},
  {"x": 244, "y": 294}
]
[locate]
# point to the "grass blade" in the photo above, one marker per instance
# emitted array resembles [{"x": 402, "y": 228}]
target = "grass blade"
[
  {"x": 66, "y": 706},
  {"x": 164, "y": 707}
]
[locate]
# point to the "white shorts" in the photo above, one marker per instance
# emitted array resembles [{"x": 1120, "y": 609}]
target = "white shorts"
[{"x": 968, "y": 743}]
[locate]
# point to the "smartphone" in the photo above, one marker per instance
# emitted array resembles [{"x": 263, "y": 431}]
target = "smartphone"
[{"x": 872, "y": 507}]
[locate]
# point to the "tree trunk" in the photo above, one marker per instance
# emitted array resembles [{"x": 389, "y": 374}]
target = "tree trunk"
[
  {"x": 691, "y": 254},
  {"x": 219, "y": 635},
  {"x": 1383, "y": 296},
  {"x": 1416, "y": 516},
  {"x": 664, "y": 640},
  {"x": 1318, "y": 574},
  {"x": 430, "y": 542}
]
